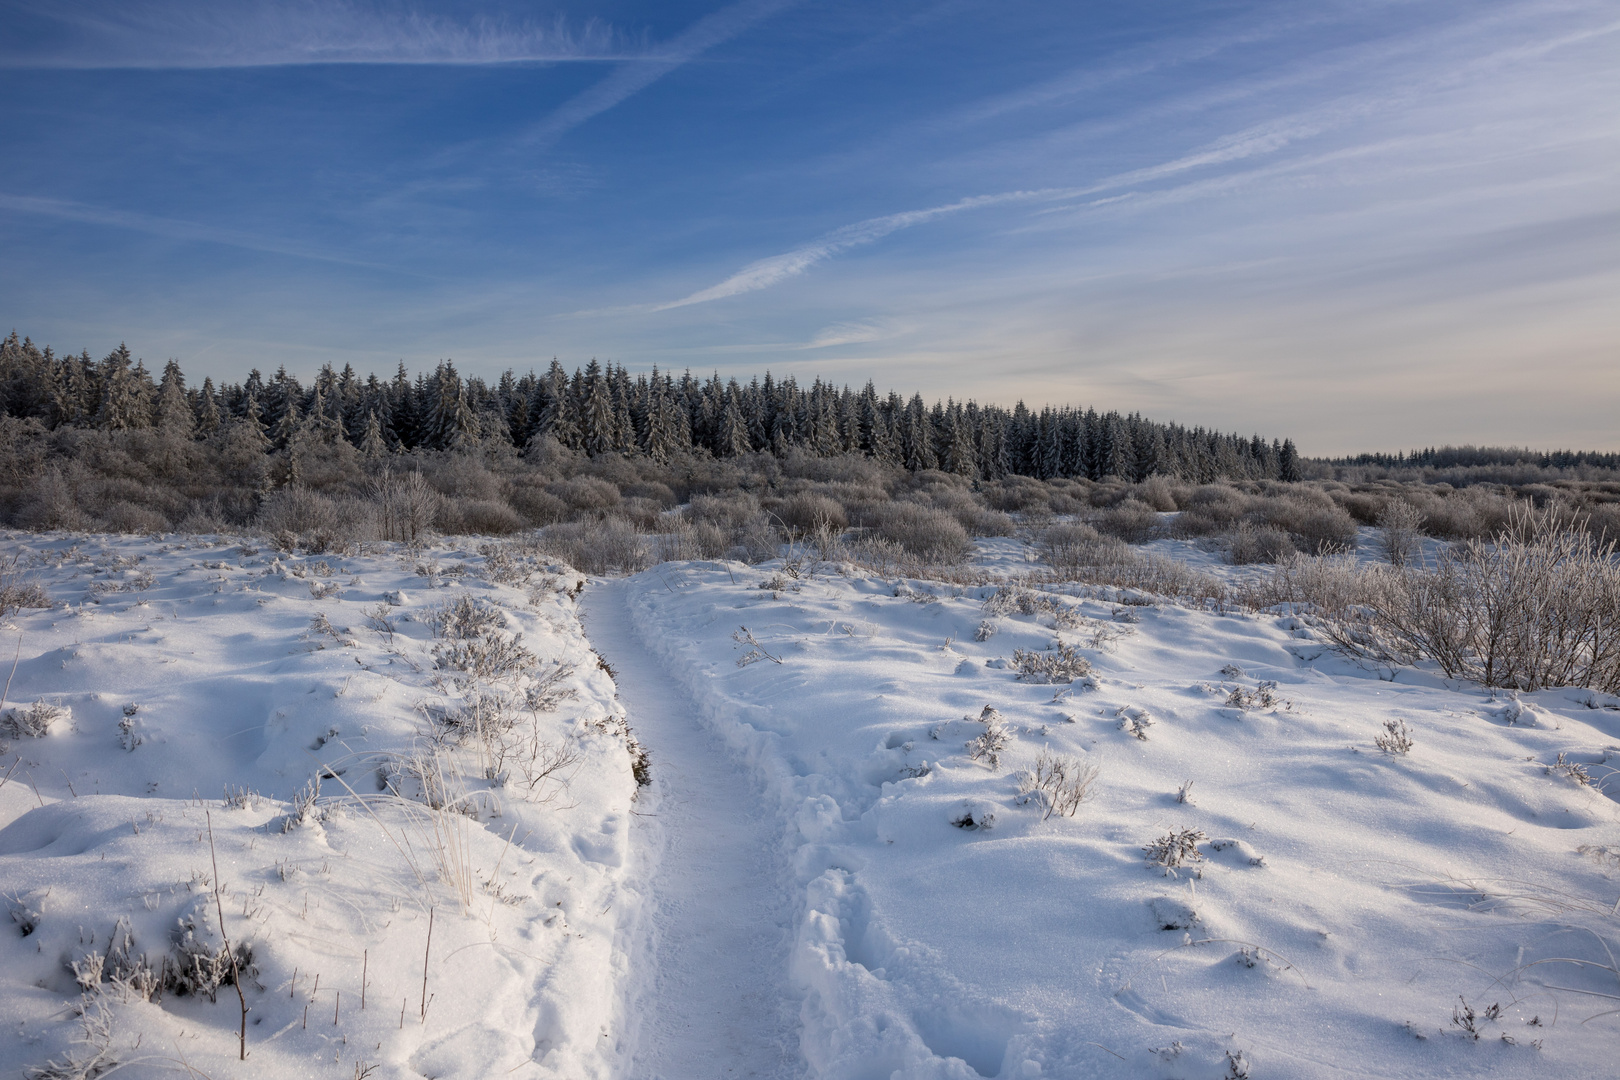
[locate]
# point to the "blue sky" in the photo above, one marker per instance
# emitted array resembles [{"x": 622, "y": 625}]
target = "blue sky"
[{"x": 1370, "y": 225}]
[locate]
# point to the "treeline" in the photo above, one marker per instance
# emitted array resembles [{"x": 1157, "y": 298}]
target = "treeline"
[
  {"x": 1465, "y": 457},
  {"x": 603, "y": 409}
]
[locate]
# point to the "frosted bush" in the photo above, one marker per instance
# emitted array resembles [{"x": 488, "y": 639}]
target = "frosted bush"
[
  {"x": 1059, "y": 665},
  {"x": 1057, "y": 785},
  {"x": 1400, "y": 531},
  {"x": 34, "y": 722},
  {"x": 1396, "y": 739},
  {"x": 989, "y": 744},
  {"x": 1175, "y": 850}
]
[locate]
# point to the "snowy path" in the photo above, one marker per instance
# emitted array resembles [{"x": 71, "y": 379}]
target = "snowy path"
[{"x": 709, "y": 997}]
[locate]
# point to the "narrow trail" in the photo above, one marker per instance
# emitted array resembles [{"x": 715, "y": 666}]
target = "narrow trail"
[{"x": 708, "y": 995}]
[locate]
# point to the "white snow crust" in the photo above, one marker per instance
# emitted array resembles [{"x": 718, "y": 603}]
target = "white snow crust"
[
  {"x": 1343, "y": 903},
  {"x": 837, "y": 871},
  {"x": 210, "y": 657}
]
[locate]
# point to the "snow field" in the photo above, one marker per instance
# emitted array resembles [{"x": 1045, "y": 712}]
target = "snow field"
[
  {"x": 1338, "y": 902},
  {"x": 201, "y": 687}
]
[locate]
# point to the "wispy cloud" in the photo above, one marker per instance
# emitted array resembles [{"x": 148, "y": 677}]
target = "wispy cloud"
[
  {"x": 631, "y": 78},
  {"x": 171, "y": 228},
  {"x": 170, "y": 34},
  {"x": 763, "y": 273}
]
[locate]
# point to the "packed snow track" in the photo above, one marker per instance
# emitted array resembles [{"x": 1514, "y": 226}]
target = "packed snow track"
[{"x": 708, "y": 993}]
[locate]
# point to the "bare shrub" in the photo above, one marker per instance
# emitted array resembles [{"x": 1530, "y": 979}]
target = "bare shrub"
[
  {"x": 477, "y": 517},
  {"x": 586, "y": 493},
  {"x": 406, "y": 505},
  {"x": 1057, "y": 785},
  {"x": 536, "y": 505},
  {"x": 1263, "y": 696},
  {"x": 1250, "y": 544},
  {"x": 1396, "y": 739},
  {"x": 1400, "y": 531},
  {"x": 1131, "y": 521},
  {"x": 1157, "y": 493},
  {"x": 300, "y": 513},
  {"x": 804, "y": 513},
  {"x": 924, "y": 532},
  {"x": 597, "y": 547},
  {"x": 1072, "y": 548},
  {"x": 16, "y": 591},
  {"x": 127, "y": 517},
  {"x": 1538, "y": 607},
  {"x": 758, "y": 538},
  {"x": 1175, "y": 850},
  {"x": 1210, "y": 510},
  {"x": 727, "y": 511},
  {"x": 1078, "y": 553},
  {"x": 1016, "y": 493},
  {"x": 1317, "y": 525},
  {"x": 684, "y": 539}
]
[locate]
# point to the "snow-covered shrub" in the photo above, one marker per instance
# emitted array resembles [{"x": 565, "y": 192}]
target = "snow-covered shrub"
[
  {"x": 17, "y": 593},
  {"x": 1059, "y": 665},
  {"x": 1573, "y": 771},
  {"x": 27, "y": 911},
  {"x": 545, "y": 692},
  {"x": 1174, "y": 850},
  {"x": 92, "y": 1054},
  {"x": 302, "y": 810},
  {"x": 1014, "y": 598},
  {"x": 1057, "y": 785},
  {"x": 988, "y": 744},
  {"x": 1396, "y": 739},
  {"x": 985, "y": 632},
  {"x": 466, "y": 618},
  {"x": 494, "y": 655},
  {"x": 34, "y": 722},
  {"x": 1263, "y": 696},
  {"x": 1134, "y": 721},
  {"x": 200, "y": 967}
]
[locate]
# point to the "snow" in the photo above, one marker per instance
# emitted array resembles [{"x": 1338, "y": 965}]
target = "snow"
[
  {"x": 229, "y": 675},
  {"x": 1342, "y": 901},
  {"x": 710, "y": 994},
  {"x": 840, "y": 868}
]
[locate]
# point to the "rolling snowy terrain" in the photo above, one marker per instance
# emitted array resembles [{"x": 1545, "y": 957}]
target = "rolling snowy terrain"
[
  {"x": 191, "y": 693},
  {"x": 894, "y": 829},
  {"x": 1335, "y": 906}
]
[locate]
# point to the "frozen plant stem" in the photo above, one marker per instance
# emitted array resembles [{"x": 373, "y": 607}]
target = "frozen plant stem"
[
  {"x": 219, "y": 908},
  {"x": 425, "y": 950}
]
